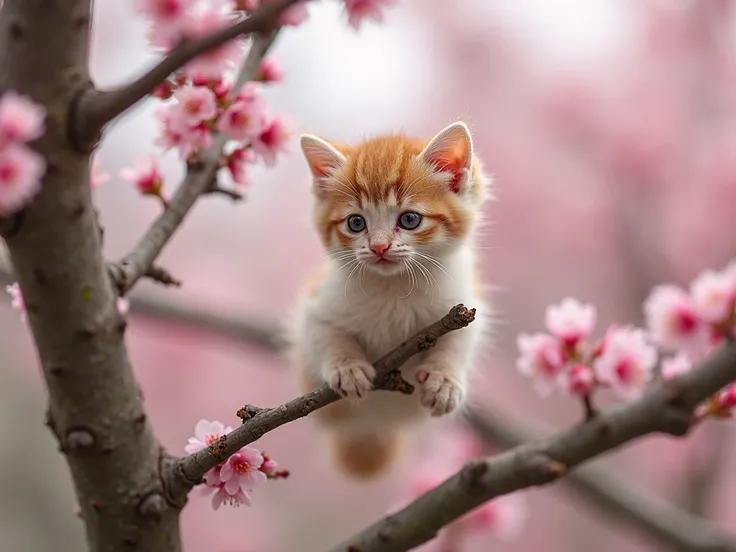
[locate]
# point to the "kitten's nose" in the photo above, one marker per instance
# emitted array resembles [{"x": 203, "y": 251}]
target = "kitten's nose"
[{"x": 380, "y": 248}]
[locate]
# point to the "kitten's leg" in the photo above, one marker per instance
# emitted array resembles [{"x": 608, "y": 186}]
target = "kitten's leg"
[
  {"x": 340, "y": 360},
  {"x": 443, "y": 374}
]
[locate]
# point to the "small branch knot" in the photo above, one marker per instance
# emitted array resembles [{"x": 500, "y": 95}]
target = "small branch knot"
[
  {"x": 249, "y": 411},
  {"x": 80, "y": 438},
  {"x": 152, "y": 506}
]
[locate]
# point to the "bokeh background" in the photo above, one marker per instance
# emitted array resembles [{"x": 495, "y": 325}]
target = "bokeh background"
[{"x": 609, "y": 127}]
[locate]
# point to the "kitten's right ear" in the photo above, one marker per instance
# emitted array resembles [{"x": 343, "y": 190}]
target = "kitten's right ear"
[{"x": 322, "y": 157}]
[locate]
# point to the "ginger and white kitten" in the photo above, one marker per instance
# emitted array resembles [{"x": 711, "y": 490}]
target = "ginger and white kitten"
[{"x": 396, "y": 215}]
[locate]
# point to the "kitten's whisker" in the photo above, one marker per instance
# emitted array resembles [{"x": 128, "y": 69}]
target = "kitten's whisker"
[
  {"x": 410, "y": 271},
  {"x": 347, "y": 280}
]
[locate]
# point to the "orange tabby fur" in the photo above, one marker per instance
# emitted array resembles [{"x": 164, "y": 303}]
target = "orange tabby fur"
[{"x": 338, "y": 335}]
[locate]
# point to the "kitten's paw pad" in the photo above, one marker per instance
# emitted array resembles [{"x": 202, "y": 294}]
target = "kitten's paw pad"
[
  {"x": 352, "y": 379},
  {"x": 441, "y": 393}
]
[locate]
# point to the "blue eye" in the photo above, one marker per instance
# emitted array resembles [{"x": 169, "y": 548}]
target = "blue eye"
[
  {"x": 356, "y": 223},
  {"x": 410, "y": 220}
]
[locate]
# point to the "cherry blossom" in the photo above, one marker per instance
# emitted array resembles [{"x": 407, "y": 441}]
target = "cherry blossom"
[
  {"x": 360, "y": 10},
  {"x": 242, "y": 470},
  {"x": 213, "y": 63},
  {"x": 237, "y": 163},
  {"x": 571, "y": 321},
  {"x": 577, "y": 380},
  {"x": 206, "y": 433},
  {"x": 714, "y": 295},
  {"x": 21, "y": 119},
  {"x": 272, "y": 139},
  {"x": 674, "y": 321},
  {"x": 196, "y": 104},
  {"x": 146, "y": 176},
  {"x": 243, "y": 120},
  {"x": 626, "y": 362},
  {"x": 21, "y": 170},
  {"x": 270, "y": 71},
  {"x": 542, "y": 359}
]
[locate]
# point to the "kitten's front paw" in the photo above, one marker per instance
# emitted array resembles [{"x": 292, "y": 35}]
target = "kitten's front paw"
[
  {"x": 440, "y": 392},
  {"x": 352, "y": 379}
]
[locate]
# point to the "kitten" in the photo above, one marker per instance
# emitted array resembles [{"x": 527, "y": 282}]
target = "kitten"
[{"x": 396, "y": 215}]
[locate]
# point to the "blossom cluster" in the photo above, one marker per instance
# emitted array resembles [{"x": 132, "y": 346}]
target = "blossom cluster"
[
  {"x": 688, "y": 324},
  {"x": 232, "y": 481},
  {"x": 683, "y": 326},
  {"x": 200, "y": 97},
  {"x": 21, "y": 121},
  {"x": 503, "y": 518}
]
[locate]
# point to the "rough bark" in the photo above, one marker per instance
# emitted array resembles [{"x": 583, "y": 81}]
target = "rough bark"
[{"x": 95, "y": 406}]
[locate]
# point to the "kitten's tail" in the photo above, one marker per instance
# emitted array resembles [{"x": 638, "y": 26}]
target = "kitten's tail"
[{"x": 366, "y": 455}]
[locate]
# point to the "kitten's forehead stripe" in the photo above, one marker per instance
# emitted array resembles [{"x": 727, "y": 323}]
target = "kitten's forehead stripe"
[{"x": 383, "y": 176}]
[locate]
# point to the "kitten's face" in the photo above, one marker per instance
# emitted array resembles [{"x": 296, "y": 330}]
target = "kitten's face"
[{"x": 393, "y": 202}]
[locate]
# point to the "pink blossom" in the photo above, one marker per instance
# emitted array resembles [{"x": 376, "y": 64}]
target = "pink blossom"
[
  {"x": 21, "y": 171},
  {"x": 578, "y": 380},
  {"x": 272, "y": 139},
  {"x": 269, "y": 466},
  {"x": 96, "y": 177},
  {"x": 21, "y": 119},
  {"x": 16, "y": 300},
  {"x": 626, "y": 362},
  {"x": 242, "y": 121},
  {"x": 205, "y": 433},
  {"x": 175, "y": 133},
  {"x": 196, "y": 104},
  {"x": 242, "y": 471},
  {"x": 360, "y": 10},
  {"x": 714, "y": 294},
  {"x": 237, "y": 163},
  {"x": 571, "y": 321},
  {"x": 673, "y": 320},
  {"x": 145, "y": 175},
  {"x": 235, "y": 499},
  {"x": 676, "y": 366},
  {"x": 270, "y": 71},
  {"x": 541, "y": 359}
]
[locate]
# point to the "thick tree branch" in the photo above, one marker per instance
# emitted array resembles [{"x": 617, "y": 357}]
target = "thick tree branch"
[
  {"x": 667, "y": 407},
  {"x": 198, "y": 181},
  {"x": 189, "y": 470},
  {"x": 95, "y": 108},
  {"x": 95, "y": 408},
  {"x": 653, "y": 515}
]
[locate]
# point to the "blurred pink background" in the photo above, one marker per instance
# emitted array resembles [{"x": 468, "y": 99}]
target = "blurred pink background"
[{"x": 609, "y": 127}]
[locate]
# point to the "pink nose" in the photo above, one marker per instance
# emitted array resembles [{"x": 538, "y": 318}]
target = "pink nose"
[{"x": 380, "y": 248}]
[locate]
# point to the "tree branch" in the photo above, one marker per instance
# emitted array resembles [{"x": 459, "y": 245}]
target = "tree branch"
[
  {"x": 95, "y": 108},
  {"x": 198, "y": 181},
  {"x": 667, "y": 407},
  {"x": 189, "y": 470},
  {"x": 653, "y": 515}
]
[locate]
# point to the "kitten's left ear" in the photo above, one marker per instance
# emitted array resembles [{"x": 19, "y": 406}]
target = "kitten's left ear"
[{"x": 451, "y": 150}]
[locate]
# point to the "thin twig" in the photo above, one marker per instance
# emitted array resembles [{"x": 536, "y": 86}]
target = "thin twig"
[
  {"x": 96, "y": 108},
  {"x": 653, "y": 515},
  {"x": 667, "y": 407},
  {"x": 198, "y": 180},
  {"x": 190, "y": 469}
]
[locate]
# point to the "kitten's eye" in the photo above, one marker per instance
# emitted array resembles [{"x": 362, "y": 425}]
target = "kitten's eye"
[
  {"x": 410, "y": 220},
  {"x": 356, "y": 223}
]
